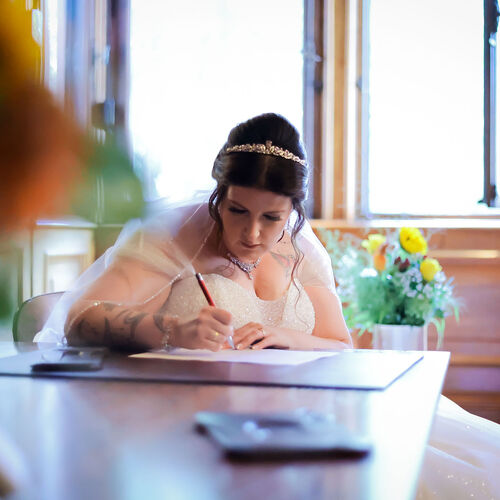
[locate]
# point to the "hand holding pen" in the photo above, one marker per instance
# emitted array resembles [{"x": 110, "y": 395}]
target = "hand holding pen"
[{"x": 210, "y": 301}]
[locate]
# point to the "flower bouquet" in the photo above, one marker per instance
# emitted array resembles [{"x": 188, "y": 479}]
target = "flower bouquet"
[{"x": 389, "y": 279}]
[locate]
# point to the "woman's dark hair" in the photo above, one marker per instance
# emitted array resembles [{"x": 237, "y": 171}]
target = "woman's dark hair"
[{"x": 262, "y": 171}]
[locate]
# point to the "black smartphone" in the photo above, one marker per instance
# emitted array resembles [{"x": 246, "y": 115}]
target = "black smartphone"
[
  {"x": 298, "y": 434},
  {"x": 71, "y": 359}
]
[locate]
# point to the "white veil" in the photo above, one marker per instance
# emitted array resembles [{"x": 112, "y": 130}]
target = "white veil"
[{"x": 161, "y": 248}]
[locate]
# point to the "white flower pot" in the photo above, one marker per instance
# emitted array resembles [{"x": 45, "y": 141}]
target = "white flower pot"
[{"x": 400, "y": 337}]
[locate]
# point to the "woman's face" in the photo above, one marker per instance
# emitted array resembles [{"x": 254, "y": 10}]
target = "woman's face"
[{"x": 253, "y": 221}]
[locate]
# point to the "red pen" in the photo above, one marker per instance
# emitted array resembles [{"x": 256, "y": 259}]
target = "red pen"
[
  {"x": 204, "y": 289},
  {"x": 210, "y": 301}
]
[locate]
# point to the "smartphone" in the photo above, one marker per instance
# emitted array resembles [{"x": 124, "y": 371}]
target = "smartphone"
[
  {"x": 298, "y": 434},
  {"x": 71, "y": 359}
]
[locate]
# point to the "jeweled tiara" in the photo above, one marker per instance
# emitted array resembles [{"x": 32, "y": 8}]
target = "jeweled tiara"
[{"x": 266, "y": 149}]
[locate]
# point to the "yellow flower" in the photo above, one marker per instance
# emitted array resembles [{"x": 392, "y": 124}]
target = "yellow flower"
[
  {"x": 429, "y": 268},
  {"x": 412, "y": 241},
  {"x": 373, "y": 242}
]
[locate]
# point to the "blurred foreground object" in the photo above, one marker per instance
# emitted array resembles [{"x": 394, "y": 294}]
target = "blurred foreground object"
[
  {"x": 40, "y": 147},
  {"x": 109, "y": 191},
  {"x": 40, "y": 157},
  {"x": 49, "y": 168}
]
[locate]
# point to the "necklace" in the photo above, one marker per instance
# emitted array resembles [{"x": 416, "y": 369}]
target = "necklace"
[{"x": 246, "y": 268}]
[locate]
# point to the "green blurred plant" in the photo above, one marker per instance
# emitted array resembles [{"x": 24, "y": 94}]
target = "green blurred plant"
[{"x": 109, "y": 191}]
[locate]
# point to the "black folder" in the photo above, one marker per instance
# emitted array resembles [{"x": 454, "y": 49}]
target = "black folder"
[{"x": 350, "y": 369}]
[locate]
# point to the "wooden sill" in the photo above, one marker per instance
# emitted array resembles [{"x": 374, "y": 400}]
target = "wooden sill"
[
  {"x": 430, "y": 223},
  {"x": 72, "y": 223},
  {"x": 65, "y": 223},
  {"x": 474, "y": 360},
  {"x": 462, "y": 240}
]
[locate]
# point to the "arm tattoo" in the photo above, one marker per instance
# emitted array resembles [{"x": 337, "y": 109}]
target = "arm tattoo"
[
  {"x": 123, "y": 311},
  {"x": 107, "y": 334},
  {"x": 116, "y": 336},
  {"x": 119, "y": 331},
  {"x": 159, "y": 320},
  {"x": 85, "y": 325},
  {"x": 133, "y": 320}
]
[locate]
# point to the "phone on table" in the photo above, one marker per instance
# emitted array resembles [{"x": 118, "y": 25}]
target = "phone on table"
[
  {"x": 297, "y": 434},
  {"x": 71, "y": 359}
]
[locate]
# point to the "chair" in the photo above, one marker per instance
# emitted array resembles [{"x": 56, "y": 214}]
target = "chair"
[{"x": 31, "y": 316}]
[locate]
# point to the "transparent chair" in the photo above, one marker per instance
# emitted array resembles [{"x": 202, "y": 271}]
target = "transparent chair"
[{"x": 31, "y": 316}]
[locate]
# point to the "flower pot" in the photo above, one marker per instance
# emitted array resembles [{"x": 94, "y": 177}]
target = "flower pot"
[{"x": 400, "y": 337}]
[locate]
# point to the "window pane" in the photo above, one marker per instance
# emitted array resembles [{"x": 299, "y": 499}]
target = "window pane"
[
  {"x": 198, "y": 69},
  {"x": 51, "y": 11},
  {"x": 426, "y": 106}
]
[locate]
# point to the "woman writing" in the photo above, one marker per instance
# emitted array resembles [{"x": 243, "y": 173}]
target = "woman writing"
[{"x": 269, "y": 276}]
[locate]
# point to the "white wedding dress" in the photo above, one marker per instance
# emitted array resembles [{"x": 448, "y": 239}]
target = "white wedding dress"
[
  {"x": 293, "y": 310},
  {"x": 462, "y": 459}
]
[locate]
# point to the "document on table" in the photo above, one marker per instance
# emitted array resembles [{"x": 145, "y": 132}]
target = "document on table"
[{"x": 260, "y": 357}]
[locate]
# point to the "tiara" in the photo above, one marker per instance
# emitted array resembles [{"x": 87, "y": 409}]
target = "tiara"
[{"x": 266, "y": 149}]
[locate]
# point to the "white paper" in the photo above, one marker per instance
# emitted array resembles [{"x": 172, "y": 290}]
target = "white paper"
[{"x": 260, "y": 357}]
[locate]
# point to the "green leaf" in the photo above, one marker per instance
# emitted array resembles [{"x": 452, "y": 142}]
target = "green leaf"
[{"x": 439, "y": 324}]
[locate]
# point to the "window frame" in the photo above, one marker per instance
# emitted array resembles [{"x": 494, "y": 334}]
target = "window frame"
[
  {"x": 313, "y": 85},
  {"x": 491, "y": 15},
  {"x": 360, "y": 57}
]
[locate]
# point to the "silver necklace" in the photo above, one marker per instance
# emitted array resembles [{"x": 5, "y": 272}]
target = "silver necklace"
[{"x": 246, "y": 268}]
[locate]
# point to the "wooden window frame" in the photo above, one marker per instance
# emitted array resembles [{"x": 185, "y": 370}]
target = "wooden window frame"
[{"x": 352, "y": 175}]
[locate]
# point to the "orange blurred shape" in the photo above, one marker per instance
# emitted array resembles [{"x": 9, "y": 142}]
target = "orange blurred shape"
[
  {"x": 379, "y": 261},
  {"x": 40, "y": 146},
  {"x": 40, "y": 152}
]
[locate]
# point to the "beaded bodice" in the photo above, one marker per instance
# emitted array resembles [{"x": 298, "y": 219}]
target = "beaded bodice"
[{"x": 293, "y": 310}]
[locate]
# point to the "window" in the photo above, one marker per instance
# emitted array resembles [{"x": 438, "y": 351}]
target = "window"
[
  {"x": 198, "y": 69},
  {"x": 424, "y": 147}
]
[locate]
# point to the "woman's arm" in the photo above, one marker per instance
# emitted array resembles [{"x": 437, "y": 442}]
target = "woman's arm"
[
  {"x": 112, "y": 312},
  {"x": 329, "y": 323},
  {"x": 124, "y": 309},
  {"x": 111, "y": 324},
  {"x": 330, "y": 330},
  {"x": 120, "y": 327}
]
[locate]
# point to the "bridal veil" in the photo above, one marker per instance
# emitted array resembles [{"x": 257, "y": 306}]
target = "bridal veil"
[{"x": 163, "y": 246}]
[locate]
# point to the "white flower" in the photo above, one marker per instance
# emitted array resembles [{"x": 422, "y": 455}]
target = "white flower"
[
  {"x": 440, "y": 277},
  {"x": 368, "y": 272}
]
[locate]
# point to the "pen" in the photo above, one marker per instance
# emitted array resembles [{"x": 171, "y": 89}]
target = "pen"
[{"x": 210, "y": 301}]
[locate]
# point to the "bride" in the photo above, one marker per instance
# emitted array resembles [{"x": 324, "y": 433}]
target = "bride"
[
  {"x": 270, "y": 278},
  {"x": 271, "y": 282}
]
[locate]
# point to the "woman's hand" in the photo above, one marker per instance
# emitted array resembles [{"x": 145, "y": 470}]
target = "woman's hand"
[
  {"x": 245, "y": 336},
  {"x": 209, "y": 330},
  {"x": 256, "y": 336}
]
